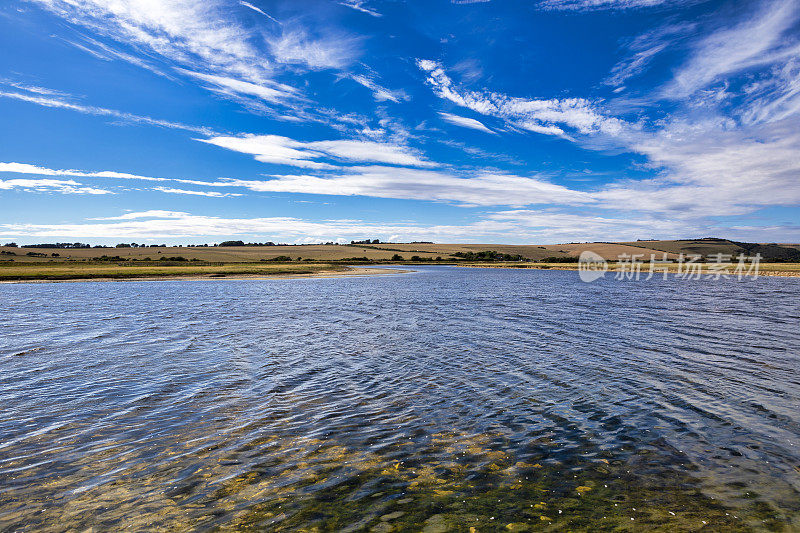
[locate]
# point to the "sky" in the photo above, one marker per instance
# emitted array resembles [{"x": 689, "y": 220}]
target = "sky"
[{"x": 482, "y": 121}]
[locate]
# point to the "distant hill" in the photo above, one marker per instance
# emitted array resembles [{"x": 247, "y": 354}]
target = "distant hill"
[{"x": 709, "y": 246}]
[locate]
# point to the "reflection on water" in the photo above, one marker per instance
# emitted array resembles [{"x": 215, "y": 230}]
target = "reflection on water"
[{"x": 447, "y": 399}]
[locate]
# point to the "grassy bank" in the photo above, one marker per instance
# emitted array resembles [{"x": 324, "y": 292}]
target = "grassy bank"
[{"x": 142, "y": 270}]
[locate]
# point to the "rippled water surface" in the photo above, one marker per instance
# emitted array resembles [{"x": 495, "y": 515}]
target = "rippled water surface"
[{"x": 444, "y": 399}]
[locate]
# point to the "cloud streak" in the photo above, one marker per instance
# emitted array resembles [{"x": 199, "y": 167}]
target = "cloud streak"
[
  {"x": 51, "y": 185},
  {"x": 524, "y": 226},
  {"x": 464, "y": 122},
  {"x": 560, "y": 117},
  {"x": 415, "y": 184},
  {"x": 285, "y": 151},
  {"x": 60, "y": 103}
]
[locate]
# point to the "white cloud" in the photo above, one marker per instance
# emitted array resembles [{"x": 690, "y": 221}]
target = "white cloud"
[
  {"x": 212, "y": 41},
  {"x": 519, "y": 226},
  {"x": 295, "y": 47},
  {"x": 212, "y": 194},
  {"x": 182, "y": 31},
  {"x": 381, "y": 94},
  {"x": 271, "y": 149},
  {"x": 25, "y": 168},
  {"x": 465, "y": 122},
  {"x": 50, "y": 185},
  {"x": 105, "y": 52},
  {"x": 416, "y": 184},
  {"x": 546, "y": 116},
  {"x": 59, "y": 103},
  {"x": 259, "y": 10},
  {"x": 712, "y": 169},
  {"x": 268, "y": 91},
  {"x": 427, "y": 64},
  {"x": 590, "y": 5},
  {"x": 283, "y": 150},
  {"x": 360, "y": 5},
  {"x": 731, "y": 146},
  {"x": 152, "y": 213},
  {"x": 756, "y": 42},
  {"x": 645, "y": 48}
]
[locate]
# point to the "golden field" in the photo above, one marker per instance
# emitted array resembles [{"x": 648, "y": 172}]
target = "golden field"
[{"x": 321, "y": 252}]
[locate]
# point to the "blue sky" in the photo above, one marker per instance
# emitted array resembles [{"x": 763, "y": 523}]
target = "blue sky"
[{"x": 445, "y": 120}]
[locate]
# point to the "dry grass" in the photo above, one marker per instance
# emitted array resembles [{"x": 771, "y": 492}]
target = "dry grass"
[
  {"x": 323, "y": 252},
  {"x": 70, "y": 271},
  {"x": 226, "y": 254}
]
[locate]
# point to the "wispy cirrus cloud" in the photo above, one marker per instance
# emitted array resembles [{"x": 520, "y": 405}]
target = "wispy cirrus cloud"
[
  {"x": 553, "y": 116},
  {"x": 644, "y": 48},
  {"x": 210, "y": 194},
  {"x": 730, "y": 146},
  {"x": 57, "y": 102},
  {"x": 416, "y": 184},
  {"x": 26, "y": 168},
  {"x": 285, "y": 151},
  {"x": 465, "y": 122},
  {"x": 259, "y": 10},
  {"x": 211, "y": 41},
  {"x": 472, "y": 188},
  {"x": 51, "y": 185},
  {"x": 380, "y": 93},
  {"x": 294, "y": 46},
  {"x": 183, "y": 32},
  {"x": 759, "y": 40},
  {"x": 268, "y": 90},
  {"x": 594, "y": 5},
  {"x": 360, "y": 5}
]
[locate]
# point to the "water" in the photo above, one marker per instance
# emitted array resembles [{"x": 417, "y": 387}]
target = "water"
[{"x": 442, "y": 399}]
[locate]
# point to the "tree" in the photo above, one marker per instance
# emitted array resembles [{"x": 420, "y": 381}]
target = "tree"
[{"x": 397, "y": 257}]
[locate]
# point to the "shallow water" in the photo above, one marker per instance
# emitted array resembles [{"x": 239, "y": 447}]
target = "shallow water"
[{"x": 437, "y": 400}]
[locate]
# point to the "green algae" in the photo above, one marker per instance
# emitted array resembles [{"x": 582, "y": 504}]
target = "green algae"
[{"x": 458, "y": 483}]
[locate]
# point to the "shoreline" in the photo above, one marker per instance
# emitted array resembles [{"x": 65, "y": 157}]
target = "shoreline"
[
  {"x": 339, "y": 273},
  {"x": 763, "y": 270}
]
